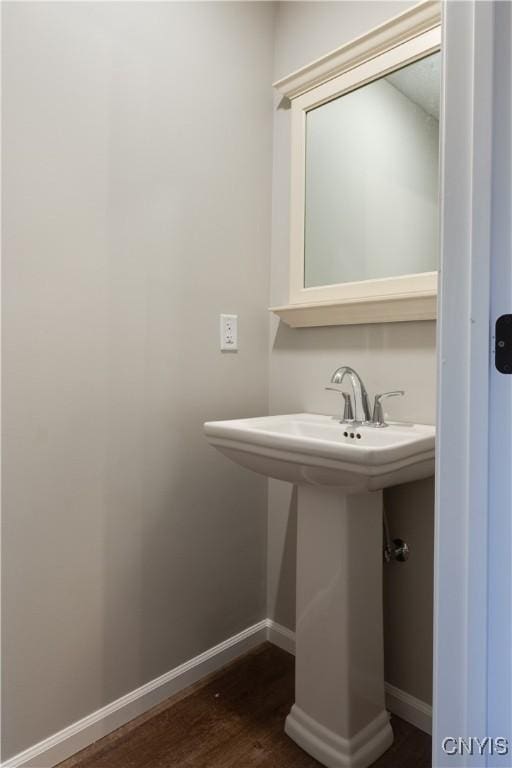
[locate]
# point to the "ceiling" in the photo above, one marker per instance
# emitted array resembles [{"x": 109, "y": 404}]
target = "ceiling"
[{"x": 421, "y": 83}]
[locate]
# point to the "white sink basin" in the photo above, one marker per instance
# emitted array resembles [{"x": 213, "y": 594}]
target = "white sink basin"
[
  {"x": 306, "y": 448},
  {"x": 339, "y": 715}
]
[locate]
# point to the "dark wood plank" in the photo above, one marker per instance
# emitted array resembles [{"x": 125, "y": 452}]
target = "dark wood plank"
[{"x": 234, "y": 720}]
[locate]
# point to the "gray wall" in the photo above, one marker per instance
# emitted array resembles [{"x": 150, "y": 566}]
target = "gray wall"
[
  {"x": 136, "y": 201},
  {"x": 400, "y": 355},
  {"x": 137, "y": 174}
]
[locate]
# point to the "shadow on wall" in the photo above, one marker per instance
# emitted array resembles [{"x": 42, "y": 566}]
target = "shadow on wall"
[
  {"x": 409, "y": 590},
  {"x": 285, "y": 103},
  {"x": 347, "y": 338},
  {"x": 288, "y": 569},
  {"x": 407, "y": 587}
]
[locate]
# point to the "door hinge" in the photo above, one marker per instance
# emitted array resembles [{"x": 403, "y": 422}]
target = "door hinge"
[{"x": 503, "y": 344}]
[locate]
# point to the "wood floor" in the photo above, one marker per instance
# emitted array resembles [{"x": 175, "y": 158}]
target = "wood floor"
[{"x": 235, "y": 720}]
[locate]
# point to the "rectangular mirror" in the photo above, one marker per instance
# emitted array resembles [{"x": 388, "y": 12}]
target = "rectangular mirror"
[
  {"x": 371, "y": 179},
  {"x": 364, "y": 176}
]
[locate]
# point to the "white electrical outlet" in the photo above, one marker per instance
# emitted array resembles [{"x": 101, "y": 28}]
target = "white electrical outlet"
[{"x": 229, "y": 333}]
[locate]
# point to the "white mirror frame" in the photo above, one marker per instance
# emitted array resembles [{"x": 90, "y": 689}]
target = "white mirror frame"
[{"x": 412, "y": 35}]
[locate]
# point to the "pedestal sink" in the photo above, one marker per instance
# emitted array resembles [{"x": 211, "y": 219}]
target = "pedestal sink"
[{"x": 339, "y": 715}]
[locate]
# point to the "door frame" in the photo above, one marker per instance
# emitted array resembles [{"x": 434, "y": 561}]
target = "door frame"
[{"x": 473, "y": 548}]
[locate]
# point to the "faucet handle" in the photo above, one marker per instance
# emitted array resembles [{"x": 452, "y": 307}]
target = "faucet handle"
[
  {"x": 348, "y": 412},
  {"x": 378, "y": 413}
]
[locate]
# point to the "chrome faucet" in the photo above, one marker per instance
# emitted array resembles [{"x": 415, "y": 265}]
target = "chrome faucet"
[
  {"x": 378, "y": 412},
  {"x": 361, "y": 415},
  {"x": 361, "y": 400}
]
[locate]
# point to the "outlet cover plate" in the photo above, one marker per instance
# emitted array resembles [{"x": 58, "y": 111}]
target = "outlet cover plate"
[{"x": 229, "y": 333}]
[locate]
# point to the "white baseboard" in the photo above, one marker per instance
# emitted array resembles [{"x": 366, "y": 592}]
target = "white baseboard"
[
  {"x": 400, "y": 703},
  {"x": 281, "y": 636},
  {"x": 409, "y": 708},
  {"x": 86, "y": 731}
]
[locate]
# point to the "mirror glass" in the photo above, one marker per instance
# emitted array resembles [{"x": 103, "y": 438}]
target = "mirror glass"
[{"x": 371, "y": 197}]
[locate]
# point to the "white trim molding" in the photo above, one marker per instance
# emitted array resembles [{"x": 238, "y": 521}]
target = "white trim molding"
[
  {"x": 281, "y": 636},
  {"x": 388, "y": 309},
  {"x": 499, "y": 669},
  {"x": 84, "y": 732},
  {"x": 89, "y": 729},
  {"x": 411, "y": 23},
  {"x": 463, "y": 561},
  {"x": 409, "y": 708}
]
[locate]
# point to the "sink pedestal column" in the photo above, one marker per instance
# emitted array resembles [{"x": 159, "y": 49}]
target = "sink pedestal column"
[{"x": 339, "y": 715}]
